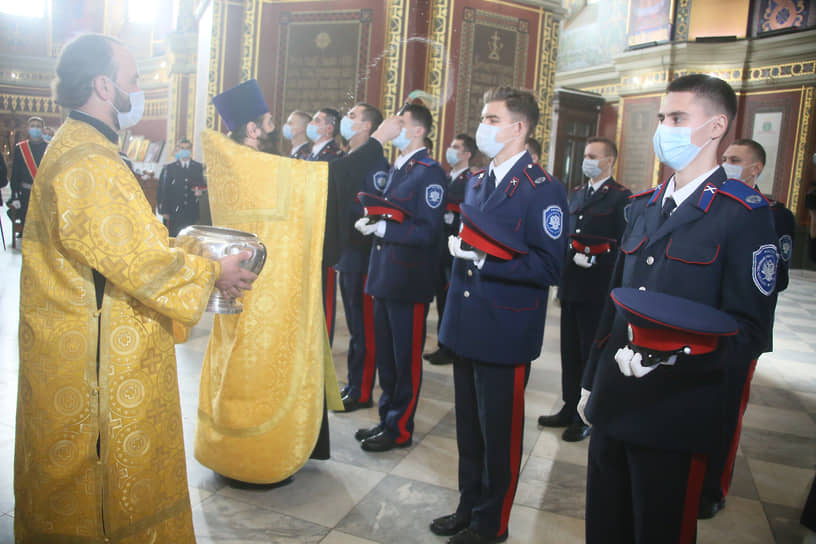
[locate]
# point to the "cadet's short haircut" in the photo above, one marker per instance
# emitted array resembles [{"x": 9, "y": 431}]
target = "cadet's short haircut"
[
  {"x": 534, "y": 146},
  {"x": 757, "y": 150},
  {"x": 80, "y": 61},
  {"x": 468, "y": 143},
  {"x": 609, "y": 145},
  {"x": 184, "y": 141},
  {"x": 420, "y": 115},
  {"x": 333, "y": 118},
  {"x": 518, "y": 102},
  {"x": 372, "y": 115},
  {"x": 36, "y": 119},
  {"x": 717, "y": 94},
  {"x": 305, "y": 117}
]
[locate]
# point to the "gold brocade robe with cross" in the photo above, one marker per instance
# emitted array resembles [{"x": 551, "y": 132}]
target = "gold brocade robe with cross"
[
  {"x": 268, "y": 370},
  {"x": 99, "y": 454}
]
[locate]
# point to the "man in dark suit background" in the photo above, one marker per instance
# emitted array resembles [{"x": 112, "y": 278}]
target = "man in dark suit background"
[{"x": 180, "y": 186}]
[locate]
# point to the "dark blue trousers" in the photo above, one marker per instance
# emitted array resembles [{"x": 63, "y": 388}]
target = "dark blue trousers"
[
  {"x": 399, "y": 329},
  {"x": 359, "y": 309},
  {"x": 489, "y": 436},
  {"x": 641, "y": 495},
  {"x": 329, "y": 300},
  {"x": 579, "y": 320}
]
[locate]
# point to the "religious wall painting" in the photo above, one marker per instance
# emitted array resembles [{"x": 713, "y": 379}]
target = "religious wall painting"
[
  {"x": 324, "y": 56},
  {"x": 780, "y": 14},
  {"x": 493, "y": 52},
  {"x": 649, "y": 21}
]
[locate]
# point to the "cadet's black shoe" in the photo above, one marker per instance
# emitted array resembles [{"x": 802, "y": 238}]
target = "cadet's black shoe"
[
  {"x": 469, "y": 536},
  {"x": 561, "y": 419},
  {"x": 382, "y": 441},
  {"x": 576, "y": 432},
  {"x": 441, "y": 356},
  {"x": 362, "y": 434},
  {"x": 350, "y": 404},
  {"x": 449, "y": 525},
  {"x": 708, "y": 508}
]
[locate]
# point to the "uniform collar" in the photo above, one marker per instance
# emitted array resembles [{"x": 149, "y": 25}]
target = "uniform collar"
[
  {"x": 402, "y": 159},
  {"x": 317, "y": 148},
  {"x": 454, "y": 175},
  {"x": 505, "y": 167},
  {"x": 679, "y": 195},
  {"x": 596, "y": 186},
  {"x": 106, "y": 131}
]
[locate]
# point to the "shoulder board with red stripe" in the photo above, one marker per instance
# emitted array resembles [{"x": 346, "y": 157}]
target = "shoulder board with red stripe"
[
  {"x": 536, "y": 175},
  {"x": 744, "y": 194},
  {"x": 645, "y": 193},
  {"x": 707, "y": 196},
  {"x": 427, "y": 161},
  {"x": 579, "y": 188}
]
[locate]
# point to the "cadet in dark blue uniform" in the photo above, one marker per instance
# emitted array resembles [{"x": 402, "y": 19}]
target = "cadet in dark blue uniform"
[
  {"x": 494, "y": 316},
  {"x": 743, "y": 160},
  {"x": 322, "y": 130},
  {"x": 458, "y": 155},
  {"x": 180, "y": 186},
  {"x": 697, "y": 237},
  {"x": 27, "y": 156},
  {"x": 295, "y": 131},
  {"x": 356, "y": 127},
  {"x": 596, "y": 225},
  {"x": 400, "y": 278}
]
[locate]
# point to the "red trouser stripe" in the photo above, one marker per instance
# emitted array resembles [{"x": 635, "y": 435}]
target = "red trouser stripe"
[
  {"x": 330, "y": 299},
  {"x": 688, "y": 528},
  {"x": 728, "y": 471},
  {"x": 516, "y": 431},
  {"x": 368, "y": 363},
  {"x": 416, "y": 370}
]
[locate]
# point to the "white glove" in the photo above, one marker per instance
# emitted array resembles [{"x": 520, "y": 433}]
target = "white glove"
[
  {"x": 448, "y": 218},
  {"x": 582, "y": 403},
  {"x": 14, "y": 204},
  {"x": 455, "y": 248},
  {"x": 367, "y": 228},
  {"x": 630, "y": 363},
  {"x": 582, "y": 260}
]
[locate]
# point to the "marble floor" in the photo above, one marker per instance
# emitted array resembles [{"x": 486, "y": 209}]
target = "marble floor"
[{"x": 359, "y": 497}]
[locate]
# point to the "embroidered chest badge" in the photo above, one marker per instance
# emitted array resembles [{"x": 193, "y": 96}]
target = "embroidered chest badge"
[
  {"x": 380, "y": 180},
  {"x": 433, "y": 195},
  {"x": 763, "y": 271},
  {"x": 553, "y": 222}
]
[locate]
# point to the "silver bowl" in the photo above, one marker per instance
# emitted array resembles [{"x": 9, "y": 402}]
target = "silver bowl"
[{"x": 216, "y": 243}]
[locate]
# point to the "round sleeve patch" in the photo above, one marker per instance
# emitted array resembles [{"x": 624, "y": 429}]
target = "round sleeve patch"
[
  {"x": 785, "y": 247},
  {"x": 433, "y": 195},
  {"x": 380, "y": 180},
  {"x": 553, "y": 221},
  {"x": 763, "y": 270}
]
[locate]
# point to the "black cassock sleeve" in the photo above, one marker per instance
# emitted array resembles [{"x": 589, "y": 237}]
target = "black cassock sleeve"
[{"x": 346, "y": 177}]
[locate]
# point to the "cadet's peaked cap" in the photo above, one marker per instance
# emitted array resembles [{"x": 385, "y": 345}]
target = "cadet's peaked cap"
[
  {"x": 377, "y": 206},
  {"x": 662, "y": 322},
  {"x": 591, "y": 245},
  {"x": 240, "y": 105},
  {"x": 481, "y": 230}
]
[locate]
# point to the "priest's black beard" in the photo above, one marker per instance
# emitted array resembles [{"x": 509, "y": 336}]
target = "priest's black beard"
[{"x": 269, "y": 143}]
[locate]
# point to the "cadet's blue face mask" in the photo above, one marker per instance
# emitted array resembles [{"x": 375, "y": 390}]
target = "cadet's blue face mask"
[{"x": 673, "y": 146}]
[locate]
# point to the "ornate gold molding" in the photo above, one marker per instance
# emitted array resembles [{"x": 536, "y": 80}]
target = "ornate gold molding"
[
  {"x": 436, "y": 74},
  {"x": 392, "y": 57},
  {"x": 802, "y": 155},
  {"x": 249, "y": 39},
  {"x": 217, "y": 44},
  {"x": 28, "y": 104},
  {"x": 548, "y": 48}
]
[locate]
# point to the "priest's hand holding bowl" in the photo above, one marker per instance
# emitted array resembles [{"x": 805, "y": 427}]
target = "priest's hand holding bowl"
[{"x": 235, "y": 279}]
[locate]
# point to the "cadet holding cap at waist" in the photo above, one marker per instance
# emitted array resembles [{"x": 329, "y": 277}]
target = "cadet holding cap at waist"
[
  {"x": 510, "y": 250},
  {"x": 596, "y": 224},
  {"x": 401, "y": 273},
  {"x": 659, "y": 414}
]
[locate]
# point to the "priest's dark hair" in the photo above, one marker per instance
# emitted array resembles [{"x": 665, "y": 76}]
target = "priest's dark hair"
[{"x": 82, "y": 60}]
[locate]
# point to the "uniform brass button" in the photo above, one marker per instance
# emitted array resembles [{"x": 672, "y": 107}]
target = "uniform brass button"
[
  {"x": 467, "y": 294},
  {"x": 650, "y": 260},
  {"x": 580, "y": 217},
  {"x": 642, "y": 288},
  {"x": 577, "y": 231},
  {"x": 379, "y": 247},
  {"x": 470, "y": 272}
]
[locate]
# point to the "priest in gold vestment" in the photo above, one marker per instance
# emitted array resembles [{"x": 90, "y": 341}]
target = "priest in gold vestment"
[
  {"x": 267, "y": 372},
  {"x": 99, "y": 454}
]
